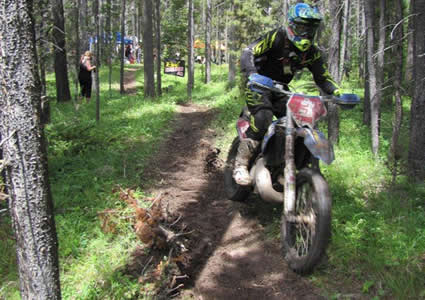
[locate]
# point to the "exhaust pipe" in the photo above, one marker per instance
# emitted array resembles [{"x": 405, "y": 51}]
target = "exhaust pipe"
[{"x": 263, "y": 184}]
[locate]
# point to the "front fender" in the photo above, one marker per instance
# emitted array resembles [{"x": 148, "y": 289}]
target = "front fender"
[
  {"x": 317, "y": 144},
  {"x": 270, "y": 132}
]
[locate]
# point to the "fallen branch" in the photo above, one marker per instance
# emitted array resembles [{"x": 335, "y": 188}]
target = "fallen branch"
[{"x": 170, "y": 235}]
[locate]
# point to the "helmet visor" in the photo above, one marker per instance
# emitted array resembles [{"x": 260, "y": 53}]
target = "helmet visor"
[{"x": 304, "y": 30}]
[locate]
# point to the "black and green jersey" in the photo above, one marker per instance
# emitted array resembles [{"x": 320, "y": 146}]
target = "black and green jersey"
[{"x": 274, "y": 56}]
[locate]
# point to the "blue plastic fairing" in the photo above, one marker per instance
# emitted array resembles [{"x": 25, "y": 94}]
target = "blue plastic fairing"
[
  {"x": 259, "y": 83},
  {"x": 318, "y": 145},
  {"x": 270, "y": 132},
  {"x": 350, "y": 99}
]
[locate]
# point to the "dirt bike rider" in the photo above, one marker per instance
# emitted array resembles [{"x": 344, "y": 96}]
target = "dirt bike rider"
[{"x": 278, "y": 55}]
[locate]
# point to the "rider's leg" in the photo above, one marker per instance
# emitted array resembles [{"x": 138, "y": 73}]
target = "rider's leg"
[
  {"x": 246, "y": 149},
  {"x": 261, "y": 117}
]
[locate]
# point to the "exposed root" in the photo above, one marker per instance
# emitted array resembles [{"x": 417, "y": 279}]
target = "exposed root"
[{"x": 159, "y": 232}]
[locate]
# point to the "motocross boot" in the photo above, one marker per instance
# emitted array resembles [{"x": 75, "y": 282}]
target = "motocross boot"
[{"x": 246, "y": 149}]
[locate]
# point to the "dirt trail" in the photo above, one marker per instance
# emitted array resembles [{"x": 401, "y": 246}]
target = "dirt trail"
[{"x": 228, "y": 255}]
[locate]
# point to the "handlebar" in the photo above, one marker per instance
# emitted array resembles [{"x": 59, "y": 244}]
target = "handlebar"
[{"x": 259, "y": 83}]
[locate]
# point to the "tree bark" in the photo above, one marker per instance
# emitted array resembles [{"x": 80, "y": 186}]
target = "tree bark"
[
  {"x": 24, "y": 151},
  {"x": 84, "y": 26},
  {"x": 232, "y": 50},
  {"x": 369, "y": 7},
  {"x": 344, "y": 39},
  {"x": 208, "y": 42},
  {"x": 158, "y": 48},
  {"x": 410, "y": 46},
  {"x": 375, "y": 101},
  {"x": 97, "y": 59},
  {"x": 416, "y": 156},
  {"x": 43, "y": 49},
  {"x": 77, "y": 46},
  {"x": 333, "y": 60},
  {"x": 190, "y": 56},
  {"x": 394, "y": 153},
  {"x": 122, "y": 90},
  {"x": 149, "y": 79},
  {"x": 60, "y": 61},
  {"x": 111, "y": 42}
]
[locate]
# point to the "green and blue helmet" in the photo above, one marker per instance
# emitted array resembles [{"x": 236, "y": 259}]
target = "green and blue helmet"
[{"x": 303, "y": 21}]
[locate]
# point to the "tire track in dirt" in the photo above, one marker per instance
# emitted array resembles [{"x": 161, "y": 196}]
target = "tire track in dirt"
[{"x": 229, "y": 256}]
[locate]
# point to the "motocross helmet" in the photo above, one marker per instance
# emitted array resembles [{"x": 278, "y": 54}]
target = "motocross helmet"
[{"x": 303, "y": 22}]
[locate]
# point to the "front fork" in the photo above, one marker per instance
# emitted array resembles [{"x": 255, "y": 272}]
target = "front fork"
[{"x": 290, "y": 169}]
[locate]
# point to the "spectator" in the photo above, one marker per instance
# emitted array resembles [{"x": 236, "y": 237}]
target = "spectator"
[
  {"x": 128, "y": 52},
  {"x": 84, "y": 75}
]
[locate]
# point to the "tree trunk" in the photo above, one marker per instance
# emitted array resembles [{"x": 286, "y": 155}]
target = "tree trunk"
[
  {"x": 361, "y": 39},
  {"x": 395, "y": 154},
  {"x": 24, "y": 150},
  {"x": 344, "y": 38},
  {"x": 111, "y": 43},
  {"x": 122, "y": 90},
  {"x": 84, "y": 26},
  {"x": 43, "y": 50},
  {"x": 333, "y": 61},
  {"x": 375, "y": 101},
  {"x": 60, "y": 61},
  {"x": 217, "y": 37},
  {"x": 77, "y": 48},
  {"x": 232, "y": 50},
  {"x": 369, "y": 7},
  {"x": 208, "y": 42},
  {"x": 149, "y": 79},
  {"x": 416, "y": 157},
  {"x": 158, "y": 48},
  {"x": 410, "y": 46},
  {"x": 97, "y": 58},
  {"x": 284, "y": 9},
  {"x": 190, "y": 56}
]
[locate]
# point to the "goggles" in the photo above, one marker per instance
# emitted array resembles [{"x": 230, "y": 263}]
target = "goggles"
[{"x": 304, "y": 30}]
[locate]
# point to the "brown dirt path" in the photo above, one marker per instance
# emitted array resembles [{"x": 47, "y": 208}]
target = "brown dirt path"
[
  {"x": 130, "y": 84},
  {"x": 228, "y": 254}
]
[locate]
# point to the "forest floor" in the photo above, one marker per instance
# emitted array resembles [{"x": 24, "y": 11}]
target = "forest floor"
[{"x": 227, "y": 253}]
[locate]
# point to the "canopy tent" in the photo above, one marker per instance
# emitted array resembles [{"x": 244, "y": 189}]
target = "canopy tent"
[
  {"x": 127, "y": 40},
  {"x": 198, "y": 44}
]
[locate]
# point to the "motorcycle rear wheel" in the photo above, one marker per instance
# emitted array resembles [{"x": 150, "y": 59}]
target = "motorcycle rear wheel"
[
  {"x": 234, "y": 191},
  {"x": 305, "y": 235}
]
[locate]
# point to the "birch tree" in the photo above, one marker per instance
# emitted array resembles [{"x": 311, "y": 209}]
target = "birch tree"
[{"x": 25, "y": 155}]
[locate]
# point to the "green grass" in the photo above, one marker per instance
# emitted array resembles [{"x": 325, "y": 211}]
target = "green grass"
[{"x": 378, "y": 242}]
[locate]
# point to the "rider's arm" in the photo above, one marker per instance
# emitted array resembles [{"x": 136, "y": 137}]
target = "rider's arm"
[
  {"x": 256, "y": 49},
  {"x": 321, "y": 75}
]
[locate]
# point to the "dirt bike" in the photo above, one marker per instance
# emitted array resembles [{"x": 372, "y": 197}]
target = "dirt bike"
[{"x": 286, "y": 170}]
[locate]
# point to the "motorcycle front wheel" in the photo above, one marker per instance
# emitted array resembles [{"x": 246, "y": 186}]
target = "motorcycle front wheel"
[
  {"x": 306, "y": 233},
  {"x": 234, "y": 191}
]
